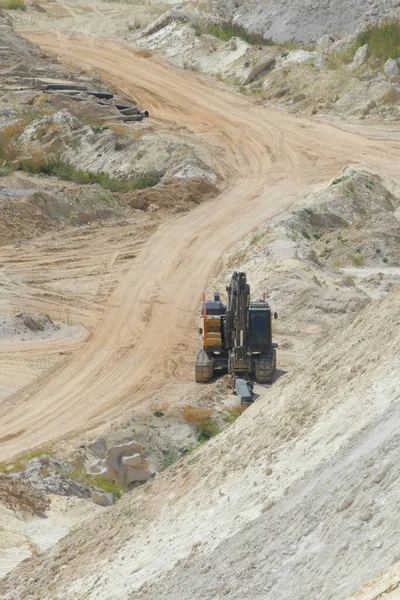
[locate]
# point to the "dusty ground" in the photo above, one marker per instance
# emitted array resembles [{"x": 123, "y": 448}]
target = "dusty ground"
[
  {"x": 296, "y": 499},
  {"x": 272, "y": 160},
  {"x": 137, "y": 296}
]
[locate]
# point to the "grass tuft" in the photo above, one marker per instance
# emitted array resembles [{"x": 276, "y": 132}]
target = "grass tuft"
[
  {"x": 225, "y": 31},
  {"x": 21, "y": 460},
  {"x": 383, "y": 39},
  {"x": 39, "y": 163},
  {"x": 78, "y": 473}
]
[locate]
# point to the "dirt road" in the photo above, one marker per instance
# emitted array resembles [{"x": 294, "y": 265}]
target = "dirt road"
[{"x": 146, "y": 336}]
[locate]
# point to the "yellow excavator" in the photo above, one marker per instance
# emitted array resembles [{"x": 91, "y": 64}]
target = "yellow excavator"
[{"x": 237, "y": 338}]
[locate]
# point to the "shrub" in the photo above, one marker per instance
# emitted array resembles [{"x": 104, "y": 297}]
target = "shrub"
[
  {"x": 9, "y": 148},
  {"x": 357, "y": 260},
  {"x": 207, "y": 428},
  {"x": 383, "y": 39},
  {"x": 193, "y": 414}
]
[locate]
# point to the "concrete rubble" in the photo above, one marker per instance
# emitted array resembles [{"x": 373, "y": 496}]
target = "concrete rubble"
[{"x": 124, "y": 464}]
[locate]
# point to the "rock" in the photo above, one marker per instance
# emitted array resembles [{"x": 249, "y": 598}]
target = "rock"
[
  {"x": 48, "y": 474},
  {"x": 124, "y": 463},
  {"x": 301, "y": 56},
  {"x": 265, "y": 64},
  {"x": 55, "y": 145},
  {"x": 346, "y": 503},
  {"x": 136, "y": 460},
  {"x": 135, "y": 475},
  {"x": 35, "y": 322},
  {"x": 233, "y": 45},
  {"x": 324, "y": 41},
  {"x": 102, "y": 499},
  {"x": 98, "y": 446},
  {"x": 360, "y": 57},
  {"x": 392, "y": 68},
  {"x": 138, "y": 202}
]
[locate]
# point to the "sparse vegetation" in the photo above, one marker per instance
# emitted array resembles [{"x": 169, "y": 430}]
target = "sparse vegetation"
[
  {"x": 357, "y": 259},
  {"x": 193, "y": 414},
  {"x": 21, "y": 460},
  {"x": 231, "y": 413},
  {"x": 157, "y": 406},
  {"x": 383, "y": 39},
  {"x": 225, "y": 31},
  {"x": 207, "y": 428},
  {"x": 78, "y": 473},
  {"x": 39, "y": 163},
  {"x": 257, "y": 237},
  {"x": 171, "y": 457},
  {"x": 13, "y": 4}
]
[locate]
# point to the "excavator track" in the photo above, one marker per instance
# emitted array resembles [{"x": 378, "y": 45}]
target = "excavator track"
[
  {"x": 204, "y": 367},
  {"x": 265, "y": 368}
]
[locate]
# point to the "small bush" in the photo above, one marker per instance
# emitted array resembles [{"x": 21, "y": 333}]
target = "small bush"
[
  {"x": 383, "y": 39},
  {"x": 385, "y": 260},
  {"x": 9, "y": 147},
  {"x": 357, "y": 259},
  {"x": 193, "y": 414},
  {"x": 207, "y": 428},
  {"x": 13, "y": 4},
  {"x": 225, "y": 31}
]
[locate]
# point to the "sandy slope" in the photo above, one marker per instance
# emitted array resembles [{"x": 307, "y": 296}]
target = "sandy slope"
[
  {"x": 145, "y": 334},
  {"x": 297, "y": 499}
]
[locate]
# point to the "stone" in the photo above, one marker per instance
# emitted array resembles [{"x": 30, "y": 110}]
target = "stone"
[
  {"x": 233, "y": 45},
  {"x": 136, "y": 460},
  {"x": 324, "y": 41},
  {"x": 346, "y": 503},
  {"x": 124, "y": 463},
  {"x": 360, "y": 57},
  {"x": 392, "y": 67},
  {"x": 98, "y": 446},
  {"x": 134, "y": 475},
  {"x": 301, "y": 56},
  {"x": 35, "y": 322},
  {"x": 265, "y": 64},
  {"x": 102, "y": 499},
  {"x": 138, "y": 202}
]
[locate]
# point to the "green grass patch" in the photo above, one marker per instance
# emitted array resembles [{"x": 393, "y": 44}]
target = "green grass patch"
[
  {"x": 99, "y": 482},
  {"x": 19, "y": 463},
  {"x": 44, "y": 165},
  {"x": 13, "y": 4},
  {"x": 383, "y": 39},
  {"x": 226, "y": 30}
]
